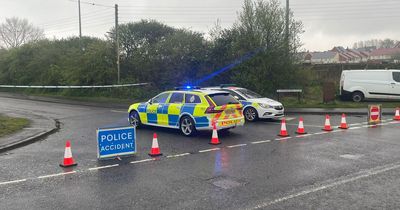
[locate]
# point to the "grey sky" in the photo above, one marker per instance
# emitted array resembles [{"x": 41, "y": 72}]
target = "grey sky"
[{"x": 326, "y": 23}]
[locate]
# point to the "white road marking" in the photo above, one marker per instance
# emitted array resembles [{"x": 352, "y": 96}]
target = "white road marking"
[
  {"x": 118, "y": 111},
  {"x": 303, "y": 135},
  {"x": 260, "y": 142},
  {"x": 394, "y": 122},
  {"x": 353, "y": 128},
  {"x": 54, "y": 175},
  {"x": 237, "y": 145},
  {"x": 179, "y": 155},
  {"x": 355, "y": 124},
  {"x": 209, "y": 150},
  {"x": 289, "y": 118},
  {"x": 319, "y": 133},
  {"x": 12, "y": 182},
  {"x": 103, "y": 167},
  {"x": 284, "y": 138},
  {"x": 305, "y": 125},
  {"x": 357, "y": 176},
  {"x": 141, "y": 161}
]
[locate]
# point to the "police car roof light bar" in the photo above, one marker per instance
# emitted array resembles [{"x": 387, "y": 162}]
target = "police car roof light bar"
[{"x": 187, "y": 87}]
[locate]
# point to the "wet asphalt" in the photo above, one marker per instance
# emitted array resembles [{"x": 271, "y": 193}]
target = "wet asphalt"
[{"x": 350, "y": 169}]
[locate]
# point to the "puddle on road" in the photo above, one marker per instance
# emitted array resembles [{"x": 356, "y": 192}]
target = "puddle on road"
[
  {"x": 226, "y": 183},
  {"x": 351, "y": 156}
]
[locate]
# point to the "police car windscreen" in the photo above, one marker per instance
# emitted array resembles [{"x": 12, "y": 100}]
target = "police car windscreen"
[
  {"x": 223, "y": 99},
  {"x": 248, "y": 93}
]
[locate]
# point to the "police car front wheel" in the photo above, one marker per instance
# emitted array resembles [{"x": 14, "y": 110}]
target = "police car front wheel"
[
  {"x": 134, "y": 119},
  {"x": 250, "y": 114},
  {"x": 187, "y": 126}
]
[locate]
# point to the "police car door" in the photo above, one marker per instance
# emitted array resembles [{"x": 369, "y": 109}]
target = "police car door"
[
  {"x": 155, "y": 105},
  {"x": 174, "y": 108}
]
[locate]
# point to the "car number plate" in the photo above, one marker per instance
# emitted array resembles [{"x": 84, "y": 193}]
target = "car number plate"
[{"x": 229, "y": 122}]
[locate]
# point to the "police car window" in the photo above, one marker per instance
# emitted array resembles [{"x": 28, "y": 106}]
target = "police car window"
[
  {"x": 192, "y": 99},
  {"x": 162, "y": 98},
  {"x": 233, "y": 93},
  {"x": 223, "y": 98},
  {"x": 176, "y": 98},
  {"x": 396, "y": 76}
]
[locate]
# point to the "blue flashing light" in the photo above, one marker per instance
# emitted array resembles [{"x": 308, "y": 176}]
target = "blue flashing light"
[{"x": 187, "y": 87}]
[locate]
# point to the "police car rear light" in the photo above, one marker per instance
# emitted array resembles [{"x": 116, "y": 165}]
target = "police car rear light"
[{"x": 211, "y": 110}]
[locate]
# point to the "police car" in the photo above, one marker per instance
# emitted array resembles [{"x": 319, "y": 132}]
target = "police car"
[
  {"x": 254, "y": 105},
  {"x": 189, "y": 109}
]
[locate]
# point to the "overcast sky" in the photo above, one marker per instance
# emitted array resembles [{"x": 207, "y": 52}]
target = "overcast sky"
[{"x": 326, "y": 23}]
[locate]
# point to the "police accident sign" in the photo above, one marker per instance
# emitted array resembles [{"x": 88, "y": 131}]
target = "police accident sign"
[{"x": 112, "y": 142}]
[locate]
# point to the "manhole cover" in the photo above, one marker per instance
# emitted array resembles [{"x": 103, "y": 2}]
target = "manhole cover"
[
  {"x": 226, "y": 183},
  {"x": 352, "y": 157}
]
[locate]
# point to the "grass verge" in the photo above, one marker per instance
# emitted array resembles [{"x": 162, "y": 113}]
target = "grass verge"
[{"x": 9, "y": 125}]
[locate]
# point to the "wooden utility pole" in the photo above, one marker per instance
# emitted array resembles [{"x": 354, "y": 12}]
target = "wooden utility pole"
[
  {"x": 80, "y": 21},
  {"x": 287, "y": 32},
  {"x": 117, "y": 41}
]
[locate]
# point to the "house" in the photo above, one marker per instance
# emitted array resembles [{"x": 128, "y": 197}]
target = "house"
[
  {"x": 324, "y": 57},
  {"x": 385, "y": 54}
]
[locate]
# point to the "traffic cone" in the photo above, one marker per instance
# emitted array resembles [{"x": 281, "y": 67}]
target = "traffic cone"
[
  {"x": 397, "y": 115},
  {"x": 283, "y": 132},
  {"x": 327, "y": 126},
  {"x": 300, "y": 129},
  {"x": 214, "y": 138},
  {"x": 343, "y": 123},
  {"x": 155, "y": 150},
  {"x": 68, "y": 160}
]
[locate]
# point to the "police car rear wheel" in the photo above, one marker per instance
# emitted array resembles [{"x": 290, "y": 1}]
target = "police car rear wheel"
[
  {"x": 250, "y": 114},
  {"x": 134, "y": 119},
  {"x": 187, "y": 126}
]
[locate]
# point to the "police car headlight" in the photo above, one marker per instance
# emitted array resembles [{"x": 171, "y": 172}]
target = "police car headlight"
[{"x": 265, "y": 106}]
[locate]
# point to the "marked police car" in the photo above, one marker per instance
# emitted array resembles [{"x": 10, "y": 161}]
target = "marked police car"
[
  {"x": 189, "y": 109},
  {"x": 254, "y": 105}
]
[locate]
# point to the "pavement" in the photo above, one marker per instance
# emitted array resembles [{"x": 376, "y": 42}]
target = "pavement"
[
  {"x": 253, "y": 168},
  {"x": 38, "y": 128}
]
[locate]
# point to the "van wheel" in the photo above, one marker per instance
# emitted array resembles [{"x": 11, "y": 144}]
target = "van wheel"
[{"x": 357, "y": 96}]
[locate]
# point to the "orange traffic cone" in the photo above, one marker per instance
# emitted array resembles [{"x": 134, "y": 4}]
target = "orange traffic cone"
[
  {"x": 155, "y": 150},
  {"x": 397, "y": 115},
  {"x": 68, "y": 160},
  {"x": 300, "y": 129},
  {"x": 327, "y": 126},
  {"x": 283, "y": 132},
  {"x": 343, "y": 123},
  {"x": 214, "y": 138}
]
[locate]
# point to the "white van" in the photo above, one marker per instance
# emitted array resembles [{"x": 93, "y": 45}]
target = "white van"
[{"x": 358, "y": 85}]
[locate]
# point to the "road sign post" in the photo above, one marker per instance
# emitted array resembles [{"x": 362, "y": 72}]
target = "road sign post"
[
  {"x": 374, "y": 114},
  {"x": 114, "y": 142}
]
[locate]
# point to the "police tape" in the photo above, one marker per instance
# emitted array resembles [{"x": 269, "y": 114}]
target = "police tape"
[{"x": 72, "y": 86}]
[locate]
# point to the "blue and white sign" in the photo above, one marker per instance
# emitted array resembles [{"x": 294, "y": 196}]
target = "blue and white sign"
[{"x": 114, "y": 142}]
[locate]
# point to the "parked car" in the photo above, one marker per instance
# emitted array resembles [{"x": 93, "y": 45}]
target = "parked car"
[
  {"x": 255, "y": 106},
  {"x": 359, "y": 85},
  {"x": 189, "y": 109}
]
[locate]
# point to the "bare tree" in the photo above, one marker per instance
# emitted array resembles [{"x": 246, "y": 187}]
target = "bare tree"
[{"x": 15, "y": 32}]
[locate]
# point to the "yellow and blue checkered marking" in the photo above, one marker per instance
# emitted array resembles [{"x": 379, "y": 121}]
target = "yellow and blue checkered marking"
[{"x": 168, "y": 114}]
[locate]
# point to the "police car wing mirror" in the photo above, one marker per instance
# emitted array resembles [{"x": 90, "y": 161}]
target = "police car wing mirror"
[{"x": 150, "y": 101}]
